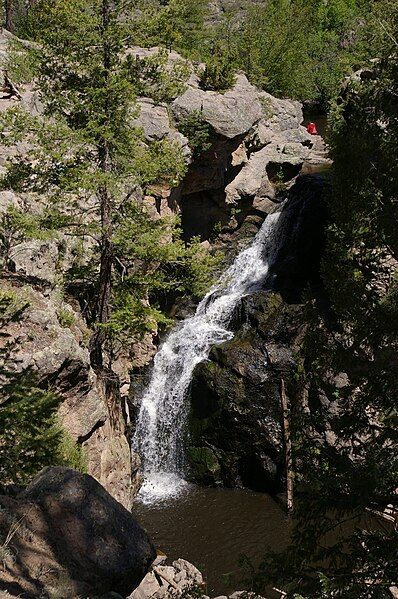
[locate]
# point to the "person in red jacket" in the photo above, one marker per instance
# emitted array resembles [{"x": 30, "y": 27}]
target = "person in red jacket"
[{"x": 311, "y": 128}]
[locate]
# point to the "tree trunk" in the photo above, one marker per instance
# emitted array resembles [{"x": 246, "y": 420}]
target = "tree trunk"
[
  {"x": 105, "y": 199},
  {"x": 288, "y": 448},
  {"x": 8, "y": 9}
]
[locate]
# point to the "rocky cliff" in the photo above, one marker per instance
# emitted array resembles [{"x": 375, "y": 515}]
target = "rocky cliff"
[{"x": 256, "y": 147}]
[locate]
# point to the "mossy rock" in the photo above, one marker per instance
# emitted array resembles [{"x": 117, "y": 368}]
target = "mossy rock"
[{"x": 204, "y": 465}]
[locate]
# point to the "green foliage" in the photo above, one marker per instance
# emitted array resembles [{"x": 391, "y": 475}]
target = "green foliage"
[
  {"x": 218, "y": 75},
  {"x": 268, "y": 109},
  {"x": 175, "y": 24},
  {"x": 70, "y": 453},
  {"x": 93, "y": 167},
  {"x": 219, "y": 72},
  {"x": 272, "y": 52},
  {"x": 140, "y": 243},
  {"x": 279, "y": 182},
  {"x": 157, "y": 77},
  {"x": 30, "y": 435},
  {"x": 307, "y": 61},
  {"x": 160, "y": 162},
  {"x": 66, "y": 318},
  {"x": 197, "y": 131},
  {"x": 16, "y": 226},
  {"x": 20, "y": 65},
  {"x": 12, "y": 306},
  {"x": 28, "y": 439}
]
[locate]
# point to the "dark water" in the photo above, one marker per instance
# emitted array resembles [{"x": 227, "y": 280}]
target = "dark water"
[{"x": 212, "y": 528}]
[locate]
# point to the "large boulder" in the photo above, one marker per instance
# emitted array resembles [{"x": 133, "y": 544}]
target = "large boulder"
[
  {"x": 68, "y": 537},
  {"x": 230, "y": 114},
  {"x": 181, "y": 579}
]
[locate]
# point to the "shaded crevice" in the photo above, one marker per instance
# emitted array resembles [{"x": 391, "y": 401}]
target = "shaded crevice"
[{"x": 87, "y": 436}]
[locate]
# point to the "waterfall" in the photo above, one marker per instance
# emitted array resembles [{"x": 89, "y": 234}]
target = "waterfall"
[{"x": 161, "y": 420}]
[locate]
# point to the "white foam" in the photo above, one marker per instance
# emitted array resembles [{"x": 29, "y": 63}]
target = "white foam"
[{"x": 162, "y": 486}]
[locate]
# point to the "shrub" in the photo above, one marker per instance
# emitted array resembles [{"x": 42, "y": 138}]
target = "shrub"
[
  {"x": 157, "y": 77},
  {"x": 218, "y": 74},
  {"x": 66, "y": 318},
  {"x": 70, "y": 453},
  {"x": 11, "y": 306},
  {"x": 28, "y": 439},
  {"x": 197, "y": 131}
]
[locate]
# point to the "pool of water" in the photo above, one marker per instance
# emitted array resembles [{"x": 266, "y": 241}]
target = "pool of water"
[{"x": 213, "y": 528}]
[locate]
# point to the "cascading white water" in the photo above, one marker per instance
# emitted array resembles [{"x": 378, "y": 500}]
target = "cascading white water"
[{"x": 161, "y": 421}]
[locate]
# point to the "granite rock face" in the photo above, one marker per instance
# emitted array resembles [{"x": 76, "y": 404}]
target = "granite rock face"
[
  {"x": 257, "y": 147},
  {"x": 50, "y": 337},
  {"x": 230, "y": 114},
  {"x": 179, "y": 579}
]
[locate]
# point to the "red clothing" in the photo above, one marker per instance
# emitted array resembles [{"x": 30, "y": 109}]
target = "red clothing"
[{"x": 311, "y": 128}]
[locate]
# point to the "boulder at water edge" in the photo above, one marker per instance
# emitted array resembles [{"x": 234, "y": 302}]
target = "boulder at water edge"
[{"x": 68, "y": 537}]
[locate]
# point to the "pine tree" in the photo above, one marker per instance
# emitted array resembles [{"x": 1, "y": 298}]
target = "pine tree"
[
  {"x": 174, "y": 24},
  {"x": 90, "y": 162}
]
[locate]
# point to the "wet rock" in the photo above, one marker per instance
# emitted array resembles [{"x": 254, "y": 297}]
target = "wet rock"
[
  {"x": 236, "y": 435},
  {"x": 205, "y": 464},
  {"x": 74, "y": 539},
  {"x": 235, "y": 422},
  {"x": 297, "y": 263}
]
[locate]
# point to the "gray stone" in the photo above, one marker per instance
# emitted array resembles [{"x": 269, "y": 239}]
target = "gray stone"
[
  {"x": 230, "y": 114},
  {"x": 169, "y": 581},
  {"x": 152, "y": 119},
  {"x": 187, "y": 573},
  {"x": 251, "y": 178}
]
